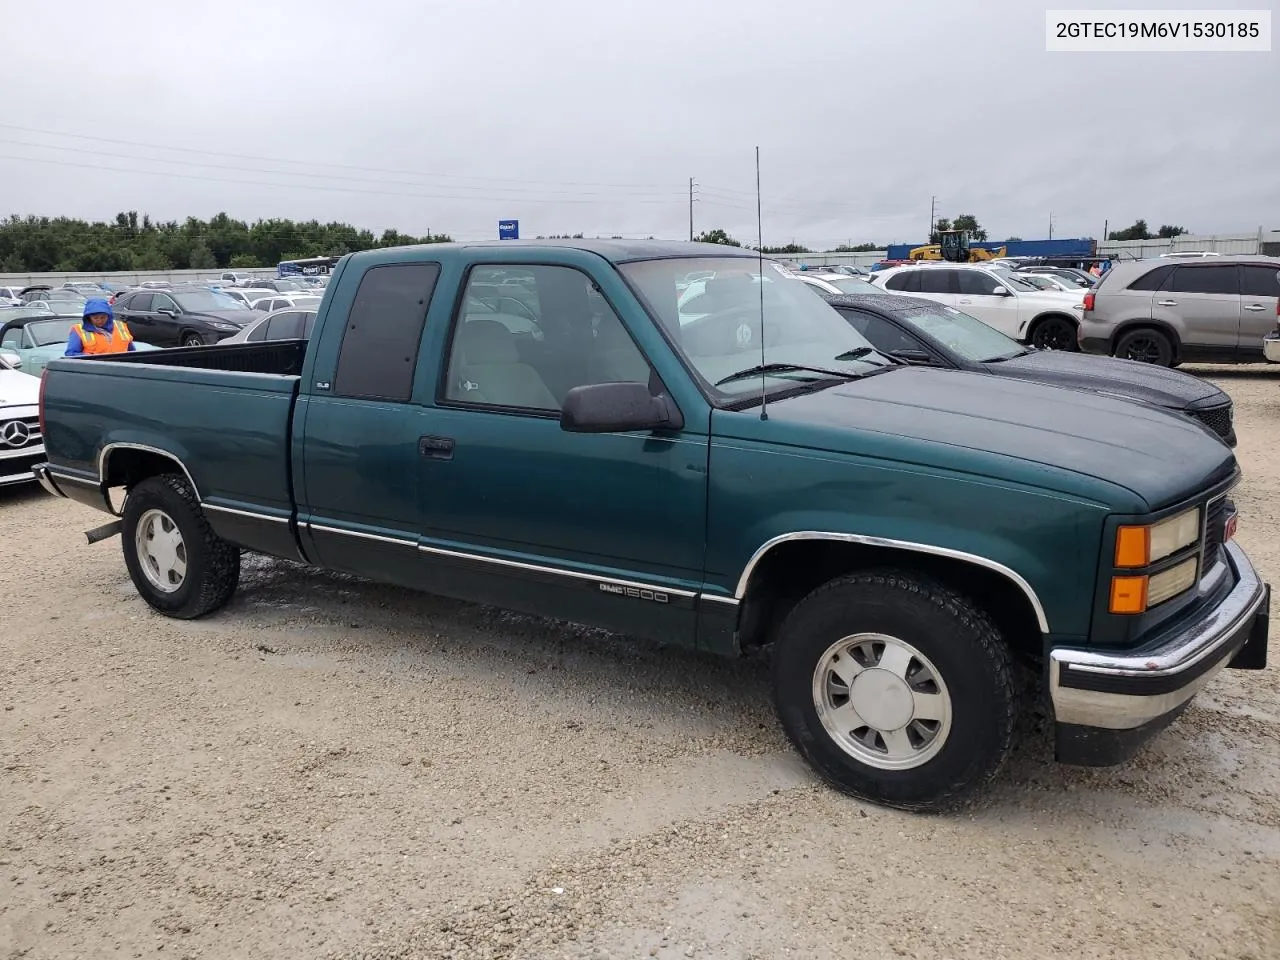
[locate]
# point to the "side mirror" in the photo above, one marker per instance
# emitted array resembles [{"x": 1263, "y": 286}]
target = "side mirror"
[
  {"x": 1000, "y": 292},
  {"x": 617, "y": 408},
  {"x": 912, "y": 355},
  {"x": 167, "y": 312},
  {"x": 11, "y": 358}
]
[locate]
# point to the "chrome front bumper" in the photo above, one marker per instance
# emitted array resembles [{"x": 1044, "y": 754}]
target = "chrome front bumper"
[
  {"x": 1271, "y": 347},
  {"x": 1107, "y": 702}
]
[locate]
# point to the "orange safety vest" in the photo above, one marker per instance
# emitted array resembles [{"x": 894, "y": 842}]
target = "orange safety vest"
[{"x": 99, "y": 341}]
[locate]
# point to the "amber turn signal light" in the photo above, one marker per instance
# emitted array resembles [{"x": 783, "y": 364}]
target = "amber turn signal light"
[
  {"x": 1133, "y": 546},
  {"x": 1128, "y": 594}
]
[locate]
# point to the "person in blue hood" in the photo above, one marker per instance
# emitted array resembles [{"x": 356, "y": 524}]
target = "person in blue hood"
[{"x": 98, "y": 332}]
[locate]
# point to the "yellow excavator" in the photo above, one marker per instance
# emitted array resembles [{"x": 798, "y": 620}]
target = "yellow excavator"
[{"x": 954, "y": 246}]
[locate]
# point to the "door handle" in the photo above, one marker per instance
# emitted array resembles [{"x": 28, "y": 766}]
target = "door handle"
[
  {"x": 1166, "y": 303},
  {"x": 964, "y": 300},
  {"x": 436, "y": 448},
  {"x": 1254, "y": 306}
]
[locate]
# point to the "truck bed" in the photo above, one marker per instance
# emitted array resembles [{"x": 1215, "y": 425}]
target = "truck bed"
[{"x": 222, "y": 415}]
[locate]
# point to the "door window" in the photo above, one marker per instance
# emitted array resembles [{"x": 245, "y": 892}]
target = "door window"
[
  {"x": 140, "y": 302},
  {"x": 538, "y": 332},
  {"x": 906, "y": 282},
  {"x": 975, "y": 283},
  {"x": 163, "y": 302},
  {"x": 1220, "y": 280},
  {"x": 284, "y": 326},
  {"x": 379, "y": 352},
  {"x": 937, "y": 281},
  {"x": 1257, "y": 280}
]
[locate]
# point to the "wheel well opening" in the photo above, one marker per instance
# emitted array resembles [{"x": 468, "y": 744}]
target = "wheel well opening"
[
  {"x": 127, "y": 467},
  {"x": 790, "y": 571}
]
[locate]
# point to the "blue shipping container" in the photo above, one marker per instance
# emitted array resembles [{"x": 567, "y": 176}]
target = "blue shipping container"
[{"x": 1078, "y": 247}]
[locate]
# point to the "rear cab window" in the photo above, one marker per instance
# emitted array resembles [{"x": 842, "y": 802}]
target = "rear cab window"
[{"x": 379, "y": 352}]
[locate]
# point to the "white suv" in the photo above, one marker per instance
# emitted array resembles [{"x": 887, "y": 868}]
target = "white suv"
[{"x": 1048, "y": 319}]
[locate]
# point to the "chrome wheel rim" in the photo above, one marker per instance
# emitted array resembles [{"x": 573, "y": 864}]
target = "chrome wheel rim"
[
  {"x": 162, "y": 554},
  {"x": 882, "y": 701}
]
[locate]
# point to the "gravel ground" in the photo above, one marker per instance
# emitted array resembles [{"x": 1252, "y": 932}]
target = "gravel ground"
[{"x": 332, "y": 768}]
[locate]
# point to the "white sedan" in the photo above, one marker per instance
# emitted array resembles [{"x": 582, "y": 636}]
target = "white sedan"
[
  {"x": 283, "y": 301},
  {"x": 1000, "y": 298},
  {"x": 21, "y": 446},
  {"x": 836, "y": 283}
]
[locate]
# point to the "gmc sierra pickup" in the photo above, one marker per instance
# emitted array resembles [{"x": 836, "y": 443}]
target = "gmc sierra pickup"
[{"x": 680, "y": 441}]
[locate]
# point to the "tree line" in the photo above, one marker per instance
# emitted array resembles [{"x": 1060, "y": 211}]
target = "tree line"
[{"x": 130, "y": 242}]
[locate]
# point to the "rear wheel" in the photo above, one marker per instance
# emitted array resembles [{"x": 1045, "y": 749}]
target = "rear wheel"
[
  {"x": 1146, "y": 346},
  {"x": 896, "y": 689},
  {"x": 1054, "y": 333},
  {"x": 176, "y": 561}
]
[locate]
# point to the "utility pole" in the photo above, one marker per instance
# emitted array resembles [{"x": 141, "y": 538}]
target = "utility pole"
[
  {"x": 691, "y": 208},
  {"x": 1050, "y": 224},
  {"x": 933, "y": 206}
]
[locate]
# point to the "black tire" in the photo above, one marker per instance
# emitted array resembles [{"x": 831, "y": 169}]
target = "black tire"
[
  {"x": 212, "y": 564},
  {"x": 1146, "y": 345},
  {"x": 966, "y": 650},
  {"x": 1055, "y": 333},
  {"x": 190, "y": 339}
]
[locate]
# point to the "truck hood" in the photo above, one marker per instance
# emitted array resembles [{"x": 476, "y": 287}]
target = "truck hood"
[
  {"x": 1147, "y": 382},
  {"x": 1158, "y": 456},
  {"x": 18, "y": 389}
]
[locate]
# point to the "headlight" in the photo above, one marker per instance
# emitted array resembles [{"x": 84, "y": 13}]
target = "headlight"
[
  {"x": 1141, "y": 546},
  {"x": 220, "y": 325},
  {"x": 1138, "y": 546}
]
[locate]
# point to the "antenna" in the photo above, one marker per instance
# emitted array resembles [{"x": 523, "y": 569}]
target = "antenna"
[{"x": 764, "y": 411}]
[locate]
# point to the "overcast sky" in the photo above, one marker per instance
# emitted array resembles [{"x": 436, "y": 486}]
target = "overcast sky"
[{"x": 591, "y": 115}]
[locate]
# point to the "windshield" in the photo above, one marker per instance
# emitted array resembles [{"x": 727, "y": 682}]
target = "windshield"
[
  {"x": 715, "y": 323},
  {"x": 1013, "y": 280},
  {"x": 306, "y": 303},
  {"x": 197, "y": 301},
  {"x": 286, "y": 286},
  {"x": 966, "y": 335},
  {"x": 37, "y": 309},
  {"x": 45, "y": 333},
  {"x": 854, "y": 285}
]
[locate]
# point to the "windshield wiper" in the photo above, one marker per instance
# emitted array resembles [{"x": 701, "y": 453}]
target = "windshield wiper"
[
  {"x": 860, "y": 353},
  {"x": 1012, "y": 356},
  {"x": 765, "y": 368}
]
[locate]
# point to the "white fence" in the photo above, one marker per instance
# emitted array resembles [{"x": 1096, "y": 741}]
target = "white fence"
[
  {"x": 173, "y": 276},
  {"x": 1260, "y": 241}
]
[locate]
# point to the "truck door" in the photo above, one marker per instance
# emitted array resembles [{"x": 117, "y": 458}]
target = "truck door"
[
  {"x": 607, "y": 529},
  {"x": 357, "y": 468}
]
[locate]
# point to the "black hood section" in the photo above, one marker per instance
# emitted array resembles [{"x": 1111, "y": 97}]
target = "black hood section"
[{"x": 1142, "y": 381}]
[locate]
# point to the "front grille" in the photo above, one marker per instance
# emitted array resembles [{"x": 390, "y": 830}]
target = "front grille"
[
  {"x": 19, "y": 434},
  {"x": 1218, "y": 419},
  {"x": 1215, "y": 529}
]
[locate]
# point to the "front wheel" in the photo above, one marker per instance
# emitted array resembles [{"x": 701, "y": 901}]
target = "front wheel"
[
  {"x": 1054, "y": 333},
  {"x": 192, "y": 340},
  {"x": 896, "y": 689},
  {"x": 177, "y": 563}
]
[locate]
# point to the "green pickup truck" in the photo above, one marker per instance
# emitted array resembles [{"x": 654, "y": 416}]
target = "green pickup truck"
[{"x": 679, "y": 441}]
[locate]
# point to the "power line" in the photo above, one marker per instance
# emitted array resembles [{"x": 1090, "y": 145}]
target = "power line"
[
  {"x": 288, "y": 173},
  {"x": 95, "y": 138},
  {"x": 294, "y": 186}
]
